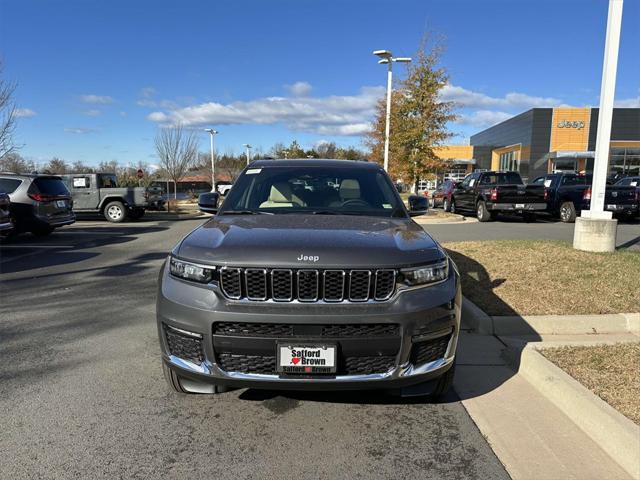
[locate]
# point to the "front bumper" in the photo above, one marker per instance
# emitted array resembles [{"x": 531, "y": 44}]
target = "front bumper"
[{"x": 421, "y": 315}]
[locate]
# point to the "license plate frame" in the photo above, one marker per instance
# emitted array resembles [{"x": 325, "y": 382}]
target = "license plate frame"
[
  {"x": 331, "y": 350},
  {"x": 61, "y": 203}
]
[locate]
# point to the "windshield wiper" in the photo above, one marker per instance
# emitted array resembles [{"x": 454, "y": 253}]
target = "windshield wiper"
[{"x": 244, "y": 212}]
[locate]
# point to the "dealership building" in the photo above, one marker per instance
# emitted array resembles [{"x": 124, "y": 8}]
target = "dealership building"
[{"x": 544, "y": 140}]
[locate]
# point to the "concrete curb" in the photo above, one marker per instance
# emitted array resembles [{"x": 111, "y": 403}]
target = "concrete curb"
[
  {"x": 549, "y": 324},
  {"x": 424, "y": 220},
  {"x": 618, "y": 436}
]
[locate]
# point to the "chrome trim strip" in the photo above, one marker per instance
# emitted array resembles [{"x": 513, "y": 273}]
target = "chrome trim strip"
[
  {"x": 282, "y": 299},
  {"x": 317, "y": 274},
  {"x": 351, "y": 299},
  {"x": 375, "y": 285},
  {"x": 324, "y": 286},
  {"x": 239, "y": 271},
  {"x": 264, "y": 278}
]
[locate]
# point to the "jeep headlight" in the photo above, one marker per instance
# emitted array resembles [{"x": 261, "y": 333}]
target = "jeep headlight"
[
  {"x": 425, "y": 275},
  {"x": 190, "y": 271}
]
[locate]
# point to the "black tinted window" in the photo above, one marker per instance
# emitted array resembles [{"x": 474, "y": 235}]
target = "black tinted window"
[
  {"x": 9, "y": 185},
  {"x": 51, "y": 186},
  {"x": 509, "y": 178}
]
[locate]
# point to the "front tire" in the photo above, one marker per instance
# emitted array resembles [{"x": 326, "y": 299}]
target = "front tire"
[
  {"x": 452, "y": 206},
  {"x": 567, "y": 212},
  {"x": 115, "y": 212},
  {"x": 483, "y": 213},
  {"x": 444, "y": 383}
]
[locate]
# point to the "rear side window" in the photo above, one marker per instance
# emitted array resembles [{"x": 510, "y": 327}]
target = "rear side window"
[
  {"x": 510, "y": 178},
  {"x": 51, "y": 186},
  {"x": 9, "y": 185}
]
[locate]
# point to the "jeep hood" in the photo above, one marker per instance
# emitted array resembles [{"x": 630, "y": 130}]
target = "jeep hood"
[{"x": 332, "y": 241}]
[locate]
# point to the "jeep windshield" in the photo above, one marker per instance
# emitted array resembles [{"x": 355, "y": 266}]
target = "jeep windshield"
[{"x": 315, "y": 190}]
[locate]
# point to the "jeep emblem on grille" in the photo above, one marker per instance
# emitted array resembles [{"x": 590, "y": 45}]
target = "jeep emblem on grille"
[{"x": 308, "y": 258}]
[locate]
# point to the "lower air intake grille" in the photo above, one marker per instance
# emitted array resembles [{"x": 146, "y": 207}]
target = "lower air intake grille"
[
  {"x": 344, "y": 330},
  {"x": 183, "y": 345},
  {"x": 429, "y": 350}
]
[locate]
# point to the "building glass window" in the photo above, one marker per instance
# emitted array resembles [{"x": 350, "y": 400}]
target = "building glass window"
[
  {"x": 624, "y": 161},
  {"x": 509, "y": 161}
]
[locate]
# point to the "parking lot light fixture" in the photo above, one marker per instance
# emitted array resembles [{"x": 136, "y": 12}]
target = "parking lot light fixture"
[
  {"x": 386, "y": 57},
  {"x": 248, "y": 147},
  {"x": 212, "y": 132}
]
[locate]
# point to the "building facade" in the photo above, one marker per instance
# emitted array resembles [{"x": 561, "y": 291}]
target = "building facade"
[{"x": 544, "y": 140}]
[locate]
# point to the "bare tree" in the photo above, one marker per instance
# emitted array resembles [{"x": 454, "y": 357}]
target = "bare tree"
[
  {"x": 57, "y": 166},
  {"x": 177, "y": 150},
  {"x": 13, "y": 162},
  {"x": 7, "y": 116}
]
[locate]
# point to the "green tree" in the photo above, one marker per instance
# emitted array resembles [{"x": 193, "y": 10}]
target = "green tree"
[{"x": 419, "y": 118}]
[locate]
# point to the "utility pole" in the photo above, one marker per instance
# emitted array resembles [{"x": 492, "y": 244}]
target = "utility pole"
[
  {"x": 595, "y": 230},
  {"x": 387, "y": 57},
  {"x": 212, "y": 132}
]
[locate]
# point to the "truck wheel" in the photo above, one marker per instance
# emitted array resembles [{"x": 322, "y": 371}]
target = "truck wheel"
[
  {"x": 445, "y": 205},
  {"x": 115, "y": 212},
  {"x": 444, "y": 383},
  {"x": 482, "y": 212},
  {"x": 452, "y": 206},
  {"x": 567, "y": 212}
]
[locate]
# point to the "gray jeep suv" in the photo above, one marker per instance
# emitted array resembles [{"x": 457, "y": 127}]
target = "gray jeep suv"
[{"x": 312, "y": 275}]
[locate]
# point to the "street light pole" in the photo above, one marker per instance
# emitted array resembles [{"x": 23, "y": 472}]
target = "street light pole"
[
  {"x": 387, "y": 57},
  {"x": 248, "y": 147},
  {"x": 212, "y": 132},
  {"x": 595, "y": 230}
]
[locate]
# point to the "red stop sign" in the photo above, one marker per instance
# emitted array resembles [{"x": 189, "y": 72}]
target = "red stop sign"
[{"x": 140, "y": 173}]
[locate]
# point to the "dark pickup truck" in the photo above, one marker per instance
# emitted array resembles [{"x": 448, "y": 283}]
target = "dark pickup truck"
[
  {"x": 99, "y": 193},
  {"x": 568, "y": 194},
  {"x": 489, "y": 193}
]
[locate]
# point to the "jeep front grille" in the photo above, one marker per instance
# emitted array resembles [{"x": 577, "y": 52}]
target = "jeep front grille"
[{"x": 307, "y": 285}]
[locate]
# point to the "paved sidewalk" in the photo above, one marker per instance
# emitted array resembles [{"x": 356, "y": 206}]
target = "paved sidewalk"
[{"x": 530, "y": 436}]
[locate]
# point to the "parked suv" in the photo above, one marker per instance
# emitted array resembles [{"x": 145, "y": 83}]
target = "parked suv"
[
  {"x": 312, "y": 275},
  {"x": 443, "y": 194},
  {"x": 100, "y": 193},
  {"x": 39, "y": 203}
]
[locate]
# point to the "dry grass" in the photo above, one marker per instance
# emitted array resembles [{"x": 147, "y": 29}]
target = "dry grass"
[
  {"x": 522, "y": 277},
  {"x": 610, "y": 371}
]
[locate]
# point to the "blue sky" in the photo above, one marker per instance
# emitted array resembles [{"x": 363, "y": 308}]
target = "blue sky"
[{"x": 97, "y": 78}]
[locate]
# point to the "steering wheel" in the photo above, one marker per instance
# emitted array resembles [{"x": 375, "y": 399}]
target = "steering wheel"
[{"x": 356, "y": 202}]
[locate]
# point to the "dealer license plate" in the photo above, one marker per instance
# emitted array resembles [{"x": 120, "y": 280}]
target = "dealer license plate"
[
  {"x": 612, "y": 207},
  {"x": 306, "y": 359},
  {"x": 519, "y": 205},
  {"x": 61, "y": 203}
]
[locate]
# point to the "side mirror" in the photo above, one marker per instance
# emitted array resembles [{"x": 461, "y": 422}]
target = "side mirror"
[
  {"x": 418, "y": 205},
  {"x": 208, "y": 202}
]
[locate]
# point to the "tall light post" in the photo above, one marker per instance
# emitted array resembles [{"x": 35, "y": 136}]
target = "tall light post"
[
  {"x": 212, "y": 132},
  {"x": 595, "y": 230},
  {"x": 386, "y": 57},
  {"x": 248, "y": 147}
]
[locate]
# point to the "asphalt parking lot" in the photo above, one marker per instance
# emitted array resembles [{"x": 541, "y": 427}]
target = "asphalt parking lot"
[{"x": 83, "y": 394}]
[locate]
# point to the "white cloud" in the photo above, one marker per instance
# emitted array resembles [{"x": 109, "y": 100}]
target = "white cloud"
[
  {"x": 332, "y": 115},
  {"x": 483, "y": 118},
  {"x": 299, "y": 89},
  {"x": 96, "y": 99},
  {"x": 79, "y": 130},
  {"x": 24, "y": 113},
  {"x": 147, "y": 92},
  {"x": 628, "y": 103},
  {"x": 94, "y": 112},
  {"x": 470, "y": 99}
]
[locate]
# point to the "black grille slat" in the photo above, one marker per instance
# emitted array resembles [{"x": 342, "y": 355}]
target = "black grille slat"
[
  {"x": 359, "y": 285},
  {"x": 429, "y": 350},
  {"x": 282, "y": 285},
  {"x": 307, "y": 285},
  {"x": 334, "y": 285},
  {"x": 184, "y": 346},
  {"x": 230, "y": 282},
  {"x": 288, "y": 330},
  {"x": 385, "y": 284},
  {"x": 368, "y": 365},
  {"x": 255, "y": 280}
]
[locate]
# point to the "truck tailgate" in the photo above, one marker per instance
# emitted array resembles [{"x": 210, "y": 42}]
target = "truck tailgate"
[
  {"x": 620, "y": 196},
  {"x": 520, "y": 194}
]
